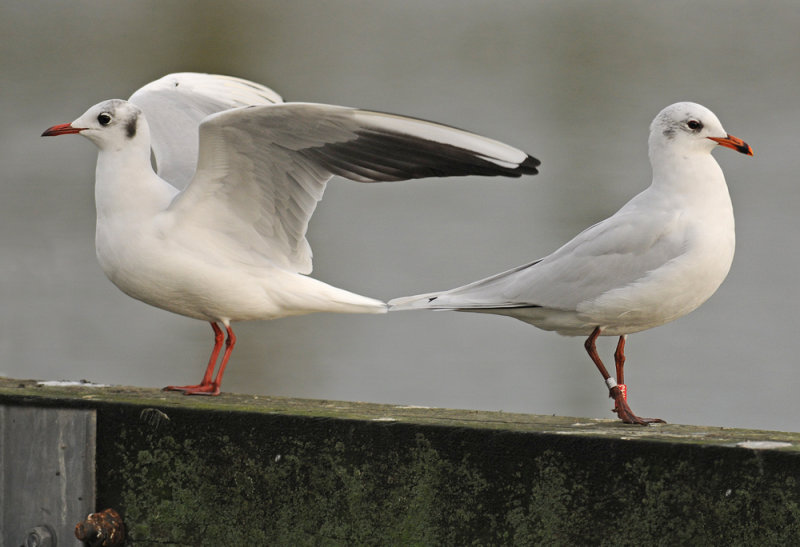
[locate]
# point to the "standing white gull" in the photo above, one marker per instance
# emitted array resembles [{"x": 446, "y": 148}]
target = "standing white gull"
[
  {"x": 656, "y": 259},
  {"x": 231, "y": 246}
]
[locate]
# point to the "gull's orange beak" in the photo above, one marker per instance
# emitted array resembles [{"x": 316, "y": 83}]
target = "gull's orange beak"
[
  {"x": 734, "y": 143},
  {"x": 62, "y": 129}
]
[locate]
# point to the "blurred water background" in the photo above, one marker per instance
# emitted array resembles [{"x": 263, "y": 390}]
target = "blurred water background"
[{"x": 575, "y": 83}]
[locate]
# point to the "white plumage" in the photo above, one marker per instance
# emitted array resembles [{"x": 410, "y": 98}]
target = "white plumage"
[
  {"x": 230, "y": 245},
  {"x": 658, "y": 258}
]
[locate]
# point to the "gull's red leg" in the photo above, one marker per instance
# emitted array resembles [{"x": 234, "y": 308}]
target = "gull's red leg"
[
  {"x": 620, "y": 405},
  {"x": 591, "y": 349},
  {"x": 229, "y": 343},
  {"x": 619, "y": 359},
  {"x": 212, "y": 388},
  {"x": 619, "y": 364},
  {"x": 205, "y": 384}
]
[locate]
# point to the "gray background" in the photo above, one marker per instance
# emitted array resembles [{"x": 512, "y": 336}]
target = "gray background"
[{"x": 575, "y": 83}]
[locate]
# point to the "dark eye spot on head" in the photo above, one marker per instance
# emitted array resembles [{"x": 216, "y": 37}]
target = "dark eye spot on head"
[
  {"x": 130, "y": 127},
  {"x": 669, "y": 132},
  {"x": 694, "y": 125}
]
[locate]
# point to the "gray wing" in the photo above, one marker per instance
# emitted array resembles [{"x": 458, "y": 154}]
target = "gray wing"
[
  {"x": 176, "y": 104},
  {"x": 262, "y": 169}
]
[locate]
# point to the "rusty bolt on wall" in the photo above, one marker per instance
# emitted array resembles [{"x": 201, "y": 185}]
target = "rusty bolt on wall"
[{"x": 103, "y": 529}]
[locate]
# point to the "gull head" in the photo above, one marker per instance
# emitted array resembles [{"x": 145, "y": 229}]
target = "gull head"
[
  {"x": 689, "y": 127},
  {"x": 112, "y": 124}
]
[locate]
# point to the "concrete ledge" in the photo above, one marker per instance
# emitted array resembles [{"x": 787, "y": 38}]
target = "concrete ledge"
[{"x": 254, "y": 470}]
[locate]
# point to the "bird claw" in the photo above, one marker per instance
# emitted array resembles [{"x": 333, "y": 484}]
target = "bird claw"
[
  {"x": 625, "y": 413},
  {"x": 208, "y": 389}
]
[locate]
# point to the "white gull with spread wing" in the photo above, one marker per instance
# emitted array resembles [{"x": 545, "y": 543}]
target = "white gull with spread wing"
[{"x": 231, "y": 244}]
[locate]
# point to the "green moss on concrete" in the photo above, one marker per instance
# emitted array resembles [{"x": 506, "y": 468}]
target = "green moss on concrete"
[
  {"x": 244, "y": 470},
  {"x": 742, "y": 506},
  {"x": 286, "y": 480},
  {"x": 183, "y": 493}
]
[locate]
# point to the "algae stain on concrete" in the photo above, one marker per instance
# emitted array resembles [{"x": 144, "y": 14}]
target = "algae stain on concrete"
[
  {"x": 184, "y": 493},
  {"x": 330, "y": 473},
  {"x": 256, "y": 479},
  {"x": 347, "y": 489}
]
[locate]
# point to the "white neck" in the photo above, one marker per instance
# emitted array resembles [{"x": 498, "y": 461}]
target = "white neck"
[
  {"x": 688, "y": 173},
  {"x": 126, "y": 186}
]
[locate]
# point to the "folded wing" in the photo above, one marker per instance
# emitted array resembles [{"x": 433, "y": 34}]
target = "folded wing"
[{"x": 611, "y": 255}]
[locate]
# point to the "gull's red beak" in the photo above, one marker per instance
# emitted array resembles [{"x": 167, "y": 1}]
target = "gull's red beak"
[
  {"x": 62, "y": 129},
  {"x": 734, "y": 143}
]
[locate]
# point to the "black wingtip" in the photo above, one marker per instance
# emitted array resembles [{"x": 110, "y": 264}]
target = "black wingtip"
[{"x": 529, "y": 166}]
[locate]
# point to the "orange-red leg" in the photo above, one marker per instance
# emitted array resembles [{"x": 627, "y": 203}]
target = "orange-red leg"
[
  {"x": 619, "y": 364},
  {"x": 206, "y": 386},
  {"x": 620, "y": 404},
  {"x": 229, "y": 343},
  {"x": 619, "y": 359}
]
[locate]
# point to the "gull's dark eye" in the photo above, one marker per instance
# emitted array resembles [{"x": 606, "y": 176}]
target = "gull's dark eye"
[
  {"x": 104, "y": 118},
  {"x": 694, "y": 125}
]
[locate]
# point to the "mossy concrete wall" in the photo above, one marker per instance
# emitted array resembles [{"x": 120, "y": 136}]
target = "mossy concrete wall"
[{"x": 244, "y": 470}]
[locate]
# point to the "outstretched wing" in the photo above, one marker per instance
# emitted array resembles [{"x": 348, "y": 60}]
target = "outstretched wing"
[
  {"x": 176, "y": 104},
  {"x": 262, "y": 169}
]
